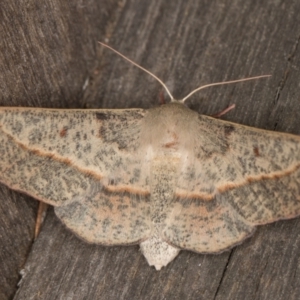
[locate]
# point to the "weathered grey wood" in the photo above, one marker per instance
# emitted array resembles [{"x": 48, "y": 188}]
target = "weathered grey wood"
[
  {"x": 49, "y": 52},
  {"x": 17, "y": 215}
]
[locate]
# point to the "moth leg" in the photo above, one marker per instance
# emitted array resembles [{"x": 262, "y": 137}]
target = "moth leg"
[
  {"x": 40, "y": 218},
  {"x": 161, "y": 97},
  {"x": 224, "y": 111}
]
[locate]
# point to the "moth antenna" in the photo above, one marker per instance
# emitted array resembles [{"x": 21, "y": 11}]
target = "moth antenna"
[
  {"x": 160, "y": 81},
  {"x": 220, "y": 83}
]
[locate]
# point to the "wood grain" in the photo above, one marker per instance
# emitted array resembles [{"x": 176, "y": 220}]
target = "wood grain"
[{"x": 50, "y": 50}]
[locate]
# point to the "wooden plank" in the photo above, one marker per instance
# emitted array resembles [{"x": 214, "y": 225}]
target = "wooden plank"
[
  {"x": 17, "y": 216},
  {"x": 51, "y": 51}
]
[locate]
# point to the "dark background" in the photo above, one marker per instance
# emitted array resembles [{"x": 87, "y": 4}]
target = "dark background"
[{"x": 49, "y": 57}]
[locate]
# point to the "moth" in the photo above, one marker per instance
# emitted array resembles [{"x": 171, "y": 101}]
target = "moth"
[{"x": 166, "y": 178}]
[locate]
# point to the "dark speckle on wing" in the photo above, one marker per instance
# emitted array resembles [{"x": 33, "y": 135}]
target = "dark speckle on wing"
[
  {"x": 120, "y": 129},
  {"x": 228, "y": 129}
]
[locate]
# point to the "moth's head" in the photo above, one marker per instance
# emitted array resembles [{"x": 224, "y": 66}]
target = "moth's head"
[{"x": 192, "y": 92}]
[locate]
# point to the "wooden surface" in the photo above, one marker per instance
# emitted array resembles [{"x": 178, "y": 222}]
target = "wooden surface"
[{"x": 49, "y": 57}]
